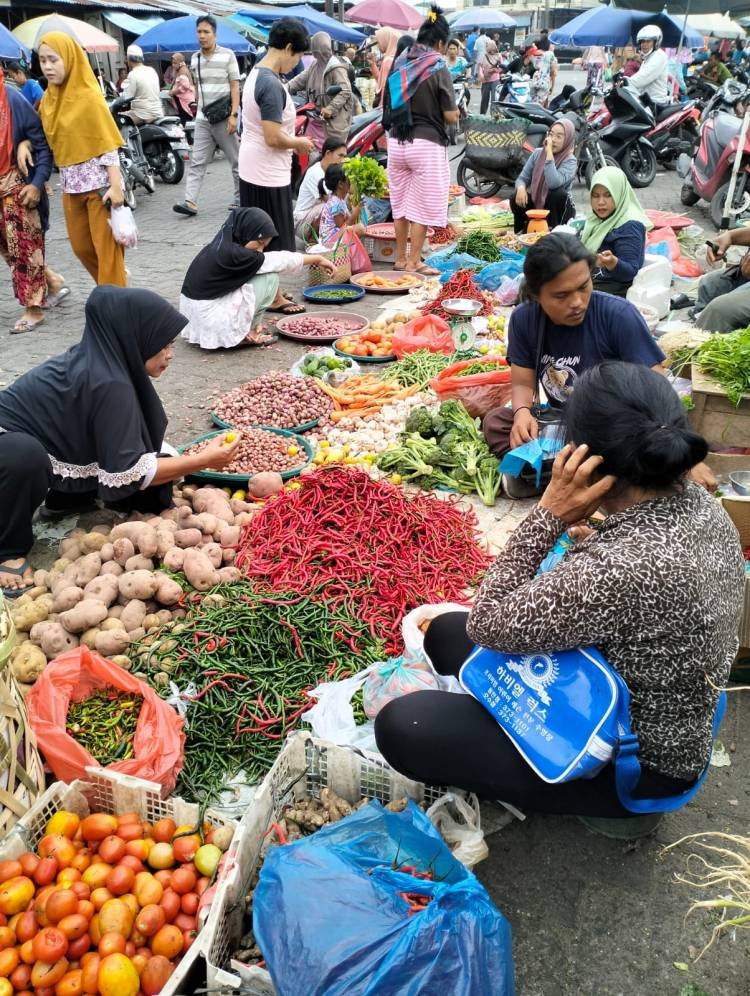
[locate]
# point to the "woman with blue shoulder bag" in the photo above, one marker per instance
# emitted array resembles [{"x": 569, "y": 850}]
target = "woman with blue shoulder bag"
[{"x": 654, "y": 592}]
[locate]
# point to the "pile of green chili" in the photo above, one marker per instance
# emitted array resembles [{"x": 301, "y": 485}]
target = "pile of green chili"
[
  {"x": 104, "y": 724},
  {"x": 243, "y": 661},
  {"x": 480, "y": 245}
]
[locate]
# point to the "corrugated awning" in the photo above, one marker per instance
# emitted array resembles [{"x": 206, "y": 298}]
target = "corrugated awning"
[{"x": 135, "y": 25}]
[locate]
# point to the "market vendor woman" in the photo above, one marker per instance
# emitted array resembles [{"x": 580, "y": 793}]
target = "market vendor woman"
[
  {"x": 657, "y": 588},
  {"x": 88, "y": 423}
]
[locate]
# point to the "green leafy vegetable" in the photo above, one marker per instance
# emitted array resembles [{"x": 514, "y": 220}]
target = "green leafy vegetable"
[
  {"x": 367, "y": 177},
  {"x": 726, "y": 358},
  {"x": 481, "y": 245}
]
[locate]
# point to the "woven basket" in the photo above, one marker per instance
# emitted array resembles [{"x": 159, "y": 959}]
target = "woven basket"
[
  {"x": 494, "y": 142},
  {"x": 21, "y": 771},
  {"x": 340, "y": 257}
]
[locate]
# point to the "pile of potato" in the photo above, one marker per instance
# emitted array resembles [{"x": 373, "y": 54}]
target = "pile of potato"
[{"x": 106, "y": 589}]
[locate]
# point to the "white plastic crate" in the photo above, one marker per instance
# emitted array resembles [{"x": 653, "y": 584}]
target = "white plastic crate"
[
  {"x": 112, "y": 792},
  {"x": 304, "y": 767}
]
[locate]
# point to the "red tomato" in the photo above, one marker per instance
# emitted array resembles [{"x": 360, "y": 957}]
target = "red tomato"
[
  {"x": 130, "y": 831},
  {"x": 189, "y": 903},
  {"x": 74, "y": 926},
  {"x": 98, "y": 826},
  {"x": 46, "y": 975},
  {"x": 130, "y": 861},
  {"x": 164, "y": 878},
  {"x": 45, "y": 871},
  {"x": 185, "y": 847},
  {"x": 183, "y": 880},
  {"x": 163, "y": 830},
  {"x": 150, "y": 920},
  {"x": 188, "y": 936},
  {"x": 50, "y": 944},
  {"x": 29, "y": 862},
  {"x": 26, "y": 951},
  {"x": 89, "y": 973},
  {"x": 7, "y": 938},
  {"x": 155, "y": 975},
  {"x": 26, "y": 926},
  {"x": 170, "y": 902},
  {"x": 71, "y": 984},
  {"x": 62, "y": 903},
  {"x": 9, "y": 961},
  {"x": 10, "y": 869},
  {"x": 202, "y": 884},
  {"x": 77, "y": 949},
  {"x": 128, "y": 818},
  {"x": 184, "y": 922},
  {"x": 86, "y": 908},
  {"x": 112, "y": 849},
  {"x": 20, "y": 977},
  {"x": 120, "y": 880},
  {"x": 168, "y": 942},
  {"x": 55, "y": 845},
  {"x": 112, "y": 943}
]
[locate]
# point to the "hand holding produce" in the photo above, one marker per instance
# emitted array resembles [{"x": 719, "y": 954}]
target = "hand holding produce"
[
  {"x": 367, "y": 177},
  {"x": 220, "y": 452},
  {"x": 256, "y": 450}
]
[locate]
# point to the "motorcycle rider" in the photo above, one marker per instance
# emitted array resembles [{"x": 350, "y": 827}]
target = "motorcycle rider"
[
  {"x": 142, "y": 88},
  {"x": 652, "y": 77}
]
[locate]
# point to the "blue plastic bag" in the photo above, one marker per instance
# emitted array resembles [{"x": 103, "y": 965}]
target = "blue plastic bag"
[
  {"x": 491, "y": 276},
  {"x": 448, "y": 263},
  {"x": 531, "y": 453},
  {"x": 327, "y": 911},
  {"x": 375, "y": 210}
]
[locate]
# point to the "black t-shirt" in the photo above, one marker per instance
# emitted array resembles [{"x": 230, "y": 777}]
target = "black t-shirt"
[{"x": 433, "y": 96}]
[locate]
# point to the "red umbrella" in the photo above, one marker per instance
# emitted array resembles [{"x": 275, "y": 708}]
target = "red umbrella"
[{"x": 392, "y": 13}]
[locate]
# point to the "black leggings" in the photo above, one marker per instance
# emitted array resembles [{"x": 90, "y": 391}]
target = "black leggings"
[
  {"x": 446, "y": 739},
  {"x": 25, "y": 475}
]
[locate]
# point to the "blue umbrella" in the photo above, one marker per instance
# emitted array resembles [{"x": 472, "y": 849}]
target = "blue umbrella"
[
  {"x": 616, "y": 26},
  {"x": 251, "y": 28},
  {"x": 11, "y": 48},
  {"x": 178, "y": 35},
  {"x": 482, "y": 17},
  {"x": 314, "y": 20}
]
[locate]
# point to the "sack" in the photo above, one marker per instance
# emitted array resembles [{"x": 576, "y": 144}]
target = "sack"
[
  {"x": 394, "y": 678},
  {"x": 339, "y": 256},
  {"x": 459, "y": 822},
  {"x": 427, "y": 332},
  {"x": 361, "y": 939},
  {"x": 479, "y": 393},
  {"x": 567, "y": 714},
  {"x": 159, "y": 739},
  {"x": 124, "y": 228}
]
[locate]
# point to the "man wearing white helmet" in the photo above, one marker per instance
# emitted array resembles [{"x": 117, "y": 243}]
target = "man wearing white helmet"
[
  {"x": 651, "y": 78},
  {"x": 142, "y": 88}
]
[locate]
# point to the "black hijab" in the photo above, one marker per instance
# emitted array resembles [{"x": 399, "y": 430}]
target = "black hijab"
[
  {"x": 94, "y": 408},
  {"x": 225, "y": 264}
]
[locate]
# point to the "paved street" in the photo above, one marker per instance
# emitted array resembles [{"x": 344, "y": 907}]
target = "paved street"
[{"x": 590, "y": 916}]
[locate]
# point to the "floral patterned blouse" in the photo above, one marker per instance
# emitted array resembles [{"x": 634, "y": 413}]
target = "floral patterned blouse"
[{"x": 90, "y": 175}]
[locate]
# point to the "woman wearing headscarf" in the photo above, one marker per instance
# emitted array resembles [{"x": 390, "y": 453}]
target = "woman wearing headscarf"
[
  {"x": 418, "y": 104},
  {"x": 24, "y": 209},
  {"x": 89, "y": 424},
  {"x": 615, "y": 230},
  {"x": 326, "y": 71},
  {"x": 386, "y": 40},
  {"x": 232, "y": 281},
  {"x": 84, "y": 140},
  {"x": 546, "y": 178},
  {"x": 183, "y": 88}
]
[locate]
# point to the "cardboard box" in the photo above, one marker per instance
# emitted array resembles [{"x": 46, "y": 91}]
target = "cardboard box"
[{"x": 720, "y": 422}]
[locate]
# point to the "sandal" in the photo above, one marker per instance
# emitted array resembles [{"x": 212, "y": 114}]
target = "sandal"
[
  {"x": 289, "y": 308},
  {"x": 19, "y": 572},
  {"x": 260, "y": 337},
  {"x": 25, "y": 325},
  {"x": 425, "y": 270},
  {"x": 54, "y": 299}
]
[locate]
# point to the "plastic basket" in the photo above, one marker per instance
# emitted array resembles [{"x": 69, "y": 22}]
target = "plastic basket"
[
  {"x": 112, "y": 792},
  {"x": 304, "y": 767}
]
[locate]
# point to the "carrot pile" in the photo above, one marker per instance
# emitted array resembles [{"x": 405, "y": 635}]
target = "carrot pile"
[
  {"x": 364, "y": 547},
  {"x": 364, "y": 395}
]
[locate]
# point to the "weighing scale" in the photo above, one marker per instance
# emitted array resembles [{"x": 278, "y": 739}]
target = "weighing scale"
[{"x": 462, "y": 310}]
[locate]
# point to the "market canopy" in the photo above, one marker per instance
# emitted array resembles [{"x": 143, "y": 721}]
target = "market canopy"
[
  {"x": 481, "y": 17},
  {"x": 389, "y": 13},
  {"x": 250, "y": 28},
  {"x": 11, "y": 47},
  {"x": 716, "y": 26},
  {"x": 88, "y": 37},
  {"x": 734, "y": 8},
  {"x": 178, "y": 35},
  {"x": 134, "y": 25},
  {"x": 314, "y": 21},
  {"x": 617, "y": 26}
]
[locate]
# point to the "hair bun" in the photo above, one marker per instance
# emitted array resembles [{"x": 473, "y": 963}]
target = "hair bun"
[{"x": 668, "y": 452}]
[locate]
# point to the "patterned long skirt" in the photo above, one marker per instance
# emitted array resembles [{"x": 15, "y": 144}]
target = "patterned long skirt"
[{"x": 22, "y": 248}]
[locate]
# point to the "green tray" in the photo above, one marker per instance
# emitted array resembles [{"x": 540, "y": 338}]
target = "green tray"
[
  {"x": 216, "y": 477},
  {"x": 292, "y": 428}
]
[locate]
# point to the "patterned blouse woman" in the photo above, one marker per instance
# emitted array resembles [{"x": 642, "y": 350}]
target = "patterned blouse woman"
[
  {"x": 84, "y": 140},
  {"x": 658, "y": 588}
]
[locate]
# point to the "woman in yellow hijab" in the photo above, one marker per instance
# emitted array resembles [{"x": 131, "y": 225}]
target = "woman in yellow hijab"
[{"x": 84, "y": 140}]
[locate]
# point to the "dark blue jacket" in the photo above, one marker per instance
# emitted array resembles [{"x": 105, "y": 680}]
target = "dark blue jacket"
[
  {"x": 28, "y": 126},
  {"x": 628, "y": 243}
]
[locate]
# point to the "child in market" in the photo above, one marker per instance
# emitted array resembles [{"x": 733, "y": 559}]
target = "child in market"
[{"x": 339, "y": 222}]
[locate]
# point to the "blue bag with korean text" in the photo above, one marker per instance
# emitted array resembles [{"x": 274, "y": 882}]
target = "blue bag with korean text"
[{"x": 568, "y": 714}]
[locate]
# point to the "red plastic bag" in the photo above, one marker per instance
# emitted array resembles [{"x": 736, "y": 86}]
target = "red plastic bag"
[
  {"x": 159, "y": 740},
  {"x": 357, "y": 252},
  {"x": 479, "y": 393},
  {"x": 427, "y": 332},
  {"x": 681, "y": 265}
]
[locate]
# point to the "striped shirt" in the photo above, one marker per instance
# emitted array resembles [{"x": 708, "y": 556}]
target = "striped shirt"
[{"x": 212, "y": 75}]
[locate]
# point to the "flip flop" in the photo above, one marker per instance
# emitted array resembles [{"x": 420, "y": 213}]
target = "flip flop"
[
  {"x": 54, "y": 299},
  {"x": 290, "y": 308},
  {"x": 19, "y": 572},
  {"x": 24, "y": 325},
  {"x": 266, "y": 338},
  {"x": 183, "y": 208},
  {"x": 425, "y": 270}
]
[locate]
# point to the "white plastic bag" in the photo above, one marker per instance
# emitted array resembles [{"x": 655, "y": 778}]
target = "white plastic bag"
[
  {"x": 332, "y": 716},
  {"x": 413, "y": 637},
  {"x": 124, "y": 228},
  {"x": 460, "y": 824},
  {"x": 332, "y": 377},
  {"x": 394, "y": 678}
]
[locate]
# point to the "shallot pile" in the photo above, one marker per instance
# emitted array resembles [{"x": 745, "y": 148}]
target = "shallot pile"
[
  {"x": 259, "y": 451},
  {"x": 325, "y": 326},
  {"x": 277, "y": 398}
]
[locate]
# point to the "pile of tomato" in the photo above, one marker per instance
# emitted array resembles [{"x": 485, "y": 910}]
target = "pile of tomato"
[
  {"x": 369, "y": 343},
  {"x": 106, "y": 904}
]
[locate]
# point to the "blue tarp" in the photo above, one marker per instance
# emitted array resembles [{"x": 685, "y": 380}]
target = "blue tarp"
[
  {"x": 178, "y": 35},
  {"x": 11, "y": 48},
  {"x": 615, "y": 26},
  {"x": 314, "y": 20}
]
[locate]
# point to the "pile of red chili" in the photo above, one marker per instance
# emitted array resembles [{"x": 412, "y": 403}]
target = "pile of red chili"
[
  {"x": 364, "y": 546},
  {"x": 461, "y": 284},
  {"x": 443, "y": 236}
]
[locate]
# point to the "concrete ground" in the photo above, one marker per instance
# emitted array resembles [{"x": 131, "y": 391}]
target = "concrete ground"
[{"x": 590, "y": 916}]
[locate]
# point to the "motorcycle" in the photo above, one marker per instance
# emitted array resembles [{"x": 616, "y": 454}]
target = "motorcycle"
[
  {"x": 674, "y": 133},
  {"x": 514, "y": 88},
  {"x": 462, "y": 96},
  {"x": 622, "y": 140},
  {"x": 483, "y": 173},
  {"x": 305, "y": 112},
  {"x": 157, "y": 149},
  {"x": 708, "y": 174}
]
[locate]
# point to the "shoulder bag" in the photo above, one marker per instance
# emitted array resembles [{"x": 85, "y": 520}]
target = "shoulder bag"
[{"x": 218, "y": 110}]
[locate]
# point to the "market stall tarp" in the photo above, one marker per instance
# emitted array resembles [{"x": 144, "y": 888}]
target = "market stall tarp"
[
  {"x": 88, "y": 37},
  {"x": 392, "y": 13},
  {"x": 134, "y": 25},
  {"x": 178, "y": 35},
  {"x": 617, "y": 27},
  {"x": 251, "y": 28},
  {"x": 11, "y": 46},
  {"x": 314, "y": 20},
  {"x": 482, "y": 17},
  {"x": 716, "y": 26}
]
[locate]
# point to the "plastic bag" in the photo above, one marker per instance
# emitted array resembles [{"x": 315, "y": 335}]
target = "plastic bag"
[
  {"x": 448, "y": 263},
  {"x": 124, "y": 228},
  {"x": 428, "y": 332},
  {"x": 375, "y": 210},
  {"x": 508, "y": 291},
  {"x": 478, "y": 393},
  {"x": 490, "y": 278},
  {"x": 657, "y": 238},
  {"x": 327, "y": 910},
  {"x": 333, "y": 377},
  {"x": 413, "y": 627},
  {"x": 332, "y": 716},
  {"x": 459, "y": 822},
  {"x": 360, "y": 261},
  {"x": 159, "y": 739},
  {"x": 394, "y": 678}
]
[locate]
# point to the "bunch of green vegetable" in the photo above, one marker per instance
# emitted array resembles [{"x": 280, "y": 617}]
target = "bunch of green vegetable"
[
  {"x": 724, "y": 357},
  {"x": 481, "y": 218},
  {"x": 480, "y": 244},
  {"x": 419, "y": 367},
  {"x": 444, "y": 449},
  {"x": 367, "y": 177}
]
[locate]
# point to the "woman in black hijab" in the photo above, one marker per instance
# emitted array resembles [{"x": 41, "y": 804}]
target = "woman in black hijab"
[
  {"x": 232, "y": 281},
  {"x": 88, "y": 423}
]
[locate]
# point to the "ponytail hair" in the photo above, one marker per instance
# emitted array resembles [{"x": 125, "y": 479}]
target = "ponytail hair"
[
  {"x": 334, "y": 175},
  {"x": 435, "y": 29},
  {"x": 632, "y": 417}
]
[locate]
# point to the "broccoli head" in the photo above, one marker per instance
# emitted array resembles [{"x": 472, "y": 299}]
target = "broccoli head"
[{"x": 420, "y": 420}]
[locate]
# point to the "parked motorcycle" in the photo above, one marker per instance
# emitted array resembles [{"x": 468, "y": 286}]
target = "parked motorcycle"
[
  {"x": 623, "y": 139},
  {"x": 674, "y": 133},
  {"x": 707, "y": 176},
  {"x": 462, "y": 96},
  {"x": 150, "y": 150},
  {"x": 513, "y": 88}
]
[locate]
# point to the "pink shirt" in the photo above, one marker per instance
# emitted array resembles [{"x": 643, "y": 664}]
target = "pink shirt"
[
  {"x": 265, "y": 98},
  {"x": 90, "y": 175}
]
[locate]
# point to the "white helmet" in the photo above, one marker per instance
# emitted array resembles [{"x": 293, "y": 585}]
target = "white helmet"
[
  {"x": 650, "y": 32},
  {"x": 134, "y": 53}
]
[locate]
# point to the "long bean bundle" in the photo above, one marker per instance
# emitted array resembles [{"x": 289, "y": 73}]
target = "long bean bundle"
[
  {"x": 419, "y": 367},
  {"x": 243, "y": 661}
]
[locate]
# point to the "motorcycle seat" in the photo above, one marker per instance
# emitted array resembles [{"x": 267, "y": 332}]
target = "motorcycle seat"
[
  {"x": 726, "y": 127},
  {"x": 167, "y": 119},
  {"x": 359, "y": 121},
  {"x": 664, "y": 112}
]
